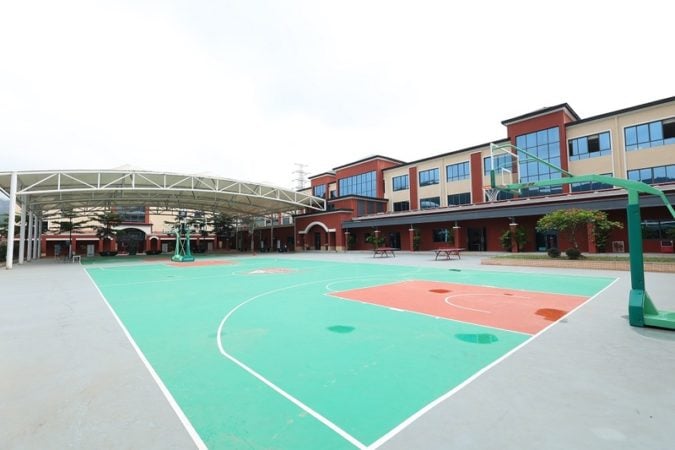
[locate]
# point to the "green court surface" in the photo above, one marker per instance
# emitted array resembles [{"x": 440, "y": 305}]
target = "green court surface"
[{"x": 258, "y": 355}]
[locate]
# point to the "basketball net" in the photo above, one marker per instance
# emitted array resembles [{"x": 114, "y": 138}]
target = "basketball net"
[{"x": 491, "y": 193}]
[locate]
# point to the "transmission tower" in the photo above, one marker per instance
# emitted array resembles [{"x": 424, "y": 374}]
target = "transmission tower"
[{"x": 300, "y": 179}]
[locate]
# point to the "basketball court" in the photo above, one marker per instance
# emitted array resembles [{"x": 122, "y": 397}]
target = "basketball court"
[
  {"x": 295, "y": 354},
  {"x": 330, "y": 351}
]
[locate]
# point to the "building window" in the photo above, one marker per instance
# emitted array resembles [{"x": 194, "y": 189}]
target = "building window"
[
  {"x": 463, "y": 198},
  {"x": 429, "y": 177},
  {"x": 333, "y": 193},
  {"x": 364, "y": 207},
  {"x": 591, "y": 185},
  {"x": 320, "y": 191},
  {"x": 400, "y": 183},
  {"x": 401, "y": 206},
  {"x": 441, "y": 235},
  {"x": 653, "y": 175},
  {"x": 545, "y": 145},
  {"x": 431, "y": 202},
  {"x": 362, "y": 184},
  {"x": 131, "y": 214},
  {"x": 658, "y": 229},
  {"x": 590, "y": 146},
  {"x": 501, "y": 161},
  {"x": 455, "y": 172},
  {"x": 652, "y": 134}
]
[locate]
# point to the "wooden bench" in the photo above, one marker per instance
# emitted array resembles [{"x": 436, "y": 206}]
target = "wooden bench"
[
  {"x": 448, "y": 252},
  {"x": 384, "y": 252}
]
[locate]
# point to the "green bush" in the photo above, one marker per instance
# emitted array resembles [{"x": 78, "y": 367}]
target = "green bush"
[
  {"x": 554, "y": 252},
  {"x": 573, "y": 253}
]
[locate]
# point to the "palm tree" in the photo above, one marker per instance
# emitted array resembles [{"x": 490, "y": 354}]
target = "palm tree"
[
  {"x": 107, "y": 220},
  {"x": 69, "y": 226}
]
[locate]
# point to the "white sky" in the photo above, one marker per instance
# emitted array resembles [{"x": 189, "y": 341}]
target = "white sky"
[{"x": 247, "y": 89}]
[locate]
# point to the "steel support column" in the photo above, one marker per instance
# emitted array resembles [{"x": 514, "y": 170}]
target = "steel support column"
[
  {"x": 22, "y": 232},
  {"x": 29, "y": 255},
  {"x": 10, "y": 222}
]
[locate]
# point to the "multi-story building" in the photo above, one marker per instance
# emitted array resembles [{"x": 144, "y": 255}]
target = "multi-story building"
[
  {"x": 432, "y": 201},
  {"x": 442, "y": 200}
]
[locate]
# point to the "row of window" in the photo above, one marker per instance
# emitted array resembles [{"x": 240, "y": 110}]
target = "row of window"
[
  {"x": 652, "y": 134},
  {"x": 363, "y": 184},
  {"x": 463, "y": 198},
  {"x": 545, "y": 145},
  {"x": 653, "y": 175},
  {"x": 649, "y": 175},
  {"x": 651, "y": 229}
]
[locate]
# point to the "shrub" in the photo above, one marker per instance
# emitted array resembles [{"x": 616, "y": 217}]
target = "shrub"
[
  {"x": 505, "y": 240},
  {"x": 554, "y": 252},
  {"x": 573, "y": 253}
]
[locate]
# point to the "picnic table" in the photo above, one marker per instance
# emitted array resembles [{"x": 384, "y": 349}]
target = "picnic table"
[
  {"x": 384, "y": 251},
  {"x": 448, "y": 252}
]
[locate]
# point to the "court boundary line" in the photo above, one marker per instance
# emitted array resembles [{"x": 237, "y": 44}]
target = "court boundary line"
[
  {"x": 413, "y": 418},
  {"x": 318, "y": 416},
  {"x": 391, "y": 433},
  {"x": 162, "y": 387}
]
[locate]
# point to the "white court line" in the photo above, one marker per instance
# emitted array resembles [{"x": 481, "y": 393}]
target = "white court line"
[
  {"x": 478, "y": 295},
  {"x": 331, "y": 425},
  {"x": 403, "y": 425},
  {"x": 172, "y": 402}
]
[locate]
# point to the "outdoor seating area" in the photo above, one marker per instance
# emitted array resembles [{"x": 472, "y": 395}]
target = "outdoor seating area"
[
  {"x": 384, "y": 252},
  {"x": 448, "y": 252}
]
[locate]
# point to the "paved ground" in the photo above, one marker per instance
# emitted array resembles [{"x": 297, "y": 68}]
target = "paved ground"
[{"x": 69, "y": 378}]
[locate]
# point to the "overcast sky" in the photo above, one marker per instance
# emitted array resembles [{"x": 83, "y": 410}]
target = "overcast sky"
[{"x": 247, "y": 89}]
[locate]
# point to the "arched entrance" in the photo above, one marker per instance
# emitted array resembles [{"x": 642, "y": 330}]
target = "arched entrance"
[
  {"x": 131, "y": 241},
  {"x": 317, "y": 236}
]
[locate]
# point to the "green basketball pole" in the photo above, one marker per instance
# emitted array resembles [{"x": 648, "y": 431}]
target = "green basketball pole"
[
  {"x": 182, "y": 252},
  {"x": 641, "y": 309}
]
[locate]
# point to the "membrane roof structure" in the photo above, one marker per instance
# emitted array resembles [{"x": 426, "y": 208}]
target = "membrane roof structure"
[{"x": 46, "y": 190}]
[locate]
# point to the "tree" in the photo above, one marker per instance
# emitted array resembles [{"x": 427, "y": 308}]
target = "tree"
[
  {"x": 521, "y": 239},
  {"x": 4, "y": 224},
  {"x": 68, "y": 225},
  {"x": 568, "y": 221},
  {"x": 107, "y": 220},
  {"x": 602, "y": 227},
  {"x": 223, "y": 225},
  {"x": 417, "y": 240},
  {"x": 376, "y": 240}
]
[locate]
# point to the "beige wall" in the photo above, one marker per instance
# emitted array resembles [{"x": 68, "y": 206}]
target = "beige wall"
[
  {"x": 389, "y": 193},
  {"x": 620, "y": 160},
  {"x": 442, "y": 190}
]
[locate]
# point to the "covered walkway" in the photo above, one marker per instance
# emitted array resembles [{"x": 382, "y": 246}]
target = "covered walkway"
[{"x": 37, "y": 192}]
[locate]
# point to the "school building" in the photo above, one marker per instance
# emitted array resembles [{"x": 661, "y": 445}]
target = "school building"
[{"x": 442, "y": 201}]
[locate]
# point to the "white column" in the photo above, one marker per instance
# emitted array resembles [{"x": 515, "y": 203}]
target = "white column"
[
  {"x": 10, "y": 222},
  {"x": 22, "y": 232},
  {"x": 38, "y": 246},
  {"x": 36, "y": 236},
  {"x": 29, "y": 255}
]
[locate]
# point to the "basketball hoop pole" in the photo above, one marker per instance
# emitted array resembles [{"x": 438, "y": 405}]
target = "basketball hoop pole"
[{"x": 641, "y": 310}]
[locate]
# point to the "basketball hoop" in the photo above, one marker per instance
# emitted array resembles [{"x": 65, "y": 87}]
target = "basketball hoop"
[{"x": 491, "y": 193}]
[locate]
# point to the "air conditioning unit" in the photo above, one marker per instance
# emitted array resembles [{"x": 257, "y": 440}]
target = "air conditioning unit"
[{"x": 618, "y": 247}]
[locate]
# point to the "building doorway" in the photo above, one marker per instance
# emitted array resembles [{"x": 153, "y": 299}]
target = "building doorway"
[
  {"x": 476, "y": 239},
  {"x": 131, "y": 241},
  {"x": 317, "y": 240},
  {"x": 394, "y": 240},
  {"x": 546, "y": 240}
]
